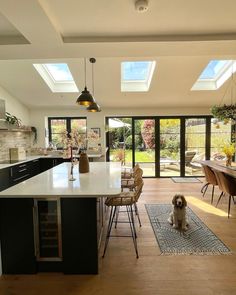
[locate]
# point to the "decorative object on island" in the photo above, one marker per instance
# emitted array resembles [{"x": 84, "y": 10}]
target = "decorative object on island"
[
  {"x": 94, "y": 107},
  {"x": 85, "y": 98},
  {"x": 83, "y": 163},
  {"x": 229, "y": 150}
]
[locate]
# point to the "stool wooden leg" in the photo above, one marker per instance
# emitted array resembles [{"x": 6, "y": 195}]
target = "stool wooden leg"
[{"x": 219, "y": 198}]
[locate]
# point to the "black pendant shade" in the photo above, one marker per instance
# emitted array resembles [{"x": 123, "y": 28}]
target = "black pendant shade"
[
  {"x": 94, "y": 107},
  {"x": 85, "y": 98}
]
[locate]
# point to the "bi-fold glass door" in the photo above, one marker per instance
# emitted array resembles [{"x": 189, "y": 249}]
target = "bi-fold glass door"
[
  {"x": 163, "y": 146},
  {"x": 145, "y": 145}
]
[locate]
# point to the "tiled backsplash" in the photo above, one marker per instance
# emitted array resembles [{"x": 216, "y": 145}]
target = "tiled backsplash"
[{"x": 11, "y": 140}]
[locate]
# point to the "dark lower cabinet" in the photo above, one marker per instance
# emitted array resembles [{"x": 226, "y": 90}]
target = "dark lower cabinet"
[
  {"x": 34, "y": 167},
  {"x": 17, "y": 236},
  {"x": 4, "y": 178},
  {"x": 79, "y": 235},
  {"x": 48, "y": 163},
  {"x": 26, "y": 245}
]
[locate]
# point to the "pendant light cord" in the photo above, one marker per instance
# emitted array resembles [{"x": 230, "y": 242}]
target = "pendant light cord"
[
  {"x": 85, "y": 80},
  {"x": 93, "y": 78}
]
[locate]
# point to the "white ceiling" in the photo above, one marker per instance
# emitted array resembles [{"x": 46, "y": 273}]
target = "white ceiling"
[{"x": 182, "y": 36}]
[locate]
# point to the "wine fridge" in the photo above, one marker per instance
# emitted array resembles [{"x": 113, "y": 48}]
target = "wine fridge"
[{"x": 47, "y": 229}]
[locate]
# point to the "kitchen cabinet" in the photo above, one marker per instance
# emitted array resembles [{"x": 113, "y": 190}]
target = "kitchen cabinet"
[
  {"x": 34, "y": 167},
  {"x": 19, "y": 173},
  {"x": 48, "y": 163},
  {"x": 4, "y": 178},
  {"x": 17, "y": 236}
]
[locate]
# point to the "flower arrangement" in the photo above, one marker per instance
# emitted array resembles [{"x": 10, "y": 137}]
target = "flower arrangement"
[
  {"x": 228, "y": 149},
  {"x": 77, "y": 140}
]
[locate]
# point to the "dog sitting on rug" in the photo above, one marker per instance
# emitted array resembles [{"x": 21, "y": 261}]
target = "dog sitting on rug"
[{"x": 178, "y": 217}]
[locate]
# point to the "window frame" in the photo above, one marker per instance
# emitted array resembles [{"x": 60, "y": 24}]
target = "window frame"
[{"x": 68, "y": 125}]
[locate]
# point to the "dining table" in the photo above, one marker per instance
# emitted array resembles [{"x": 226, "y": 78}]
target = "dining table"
[{"x": 221, "y": 166}]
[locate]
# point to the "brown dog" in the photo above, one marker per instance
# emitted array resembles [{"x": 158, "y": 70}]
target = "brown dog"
[{"x": 178, "y": 216}]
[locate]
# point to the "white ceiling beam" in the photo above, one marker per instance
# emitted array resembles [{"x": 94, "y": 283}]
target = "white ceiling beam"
[{"x": 31, "y": 21}]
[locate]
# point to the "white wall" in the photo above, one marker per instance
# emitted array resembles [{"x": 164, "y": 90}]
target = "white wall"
[
  {"x": 38, "y": 117},
  {"x": 14, "y": 107}
]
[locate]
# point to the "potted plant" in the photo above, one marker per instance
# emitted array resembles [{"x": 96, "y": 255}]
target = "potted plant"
[{"x": 224, "y": 112}]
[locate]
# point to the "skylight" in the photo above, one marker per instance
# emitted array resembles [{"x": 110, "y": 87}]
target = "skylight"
[
  {"x": 136, "y": 75},
  {"x": 57, "y": 76},
  {"x": 215, "y": 74}
]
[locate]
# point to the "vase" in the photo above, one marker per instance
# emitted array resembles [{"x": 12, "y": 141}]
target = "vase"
[
  {"x": 228, "y": 161},
  {"x": 83, "y": 163}
]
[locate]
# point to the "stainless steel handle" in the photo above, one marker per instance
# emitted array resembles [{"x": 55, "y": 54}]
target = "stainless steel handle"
[
  {"x": 22, "y": 170},
  {"x": 22, "y": 165},
  {"x": 22, "y": 177},
  {"x": 35, "y": 160}
]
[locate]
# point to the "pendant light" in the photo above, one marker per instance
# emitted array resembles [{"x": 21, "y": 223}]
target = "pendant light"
[
  {"x": 85, "y": 98},
  {"x": 94, "y": 107}
]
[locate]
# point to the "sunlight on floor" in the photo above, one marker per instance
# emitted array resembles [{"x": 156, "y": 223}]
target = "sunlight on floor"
[{"x": 206, "y": 207}]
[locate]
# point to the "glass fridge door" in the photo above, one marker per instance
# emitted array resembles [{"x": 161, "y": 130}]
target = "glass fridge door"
[{"x": 48, "y": 230}]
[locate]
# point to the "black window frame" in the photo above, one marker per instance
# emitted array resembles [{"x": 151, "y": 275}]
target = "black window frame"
[
  {"x": 68, "y": 125},
  {"x": 182, "y": 138}
]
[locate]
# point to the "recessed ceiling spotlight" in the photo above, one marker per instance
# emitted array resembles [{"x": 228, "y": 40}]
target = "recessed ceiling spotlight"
[{"x": 141, "y": 5}]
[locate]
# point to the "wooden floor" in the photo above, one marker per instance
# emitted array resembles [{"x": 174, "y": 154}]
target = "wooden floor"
[{"x": 121, "y": 273}]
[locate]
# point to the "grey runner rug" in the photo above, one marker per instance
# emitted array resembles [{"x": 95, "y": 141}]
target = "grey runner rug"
[
  {"x": 185, "y": 179},
  {"x": 197, "y": 240}
]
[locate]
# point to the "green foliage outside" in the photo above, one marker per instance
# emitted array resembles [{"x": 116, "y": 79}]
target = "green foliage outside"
[{"x": 169, "y": 139}]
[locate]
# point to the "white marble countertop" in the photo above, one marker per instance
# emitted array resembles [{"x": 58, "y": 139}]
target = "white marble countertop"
[
  {"x": 103, "y": 179},
  {"x": 30, "y": 158}
]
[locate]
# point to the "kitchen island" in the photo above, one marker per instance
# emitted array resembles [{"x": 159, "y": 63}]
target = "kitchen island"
[{"x": 49, "y": 223}]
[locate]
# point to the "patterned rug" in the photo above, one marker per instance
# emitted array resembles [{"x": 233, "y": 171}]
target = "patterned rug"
[
  {"x": 197, "y": 240},
  {"x": 185, "y": 179}
]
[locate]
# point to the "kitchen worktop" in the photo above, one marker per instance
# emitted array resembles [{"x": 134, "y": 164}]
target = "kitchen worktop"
[
  {"x": 31, "y": 158},
  {"x": 102, "y": 180}
]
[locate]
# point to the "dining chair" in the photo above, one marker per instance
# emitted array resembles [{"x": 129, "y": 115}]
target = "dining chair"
[
  {"x": 210, "y": 180},
  {"x": 227, "y": 184},
  {"x": 127, "y": 200}
]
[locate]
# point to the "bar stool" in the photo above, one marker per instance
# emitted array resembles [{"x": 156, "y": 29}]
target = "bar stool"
[
  {"x": 128, "y": 173},
  {"x": 210, "y": 179},
  {"x": 127, "y": 200},
  {"x": 130, "y": 182}
]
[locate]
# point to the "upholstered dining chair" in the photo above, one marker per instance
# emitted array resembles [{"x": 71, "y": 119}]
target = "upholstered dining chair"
[
  {"x": 210, "y": 180},
  {"x": 227, "y": 184},
  {"x": 127, "y": 200}
]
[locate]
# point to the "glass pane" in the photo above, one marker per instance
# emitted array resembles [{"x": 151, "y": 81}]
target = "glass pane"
[
  {"x": 120, "y": 140},
  {"x": 220, "y": 135},
  {"x": 195, "y": 141},
  {"x": 170, "y": 147},
  {"x": 213, "y": 69},
  {"x": 58, "y": 125},
  {"x": 145, "y": 145},
  {"x": 57, "y": 140},
  {"x": 48, "y": 229},
  {"x": 59, "y": 72},
  {"x": 78, "y": 125}
]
